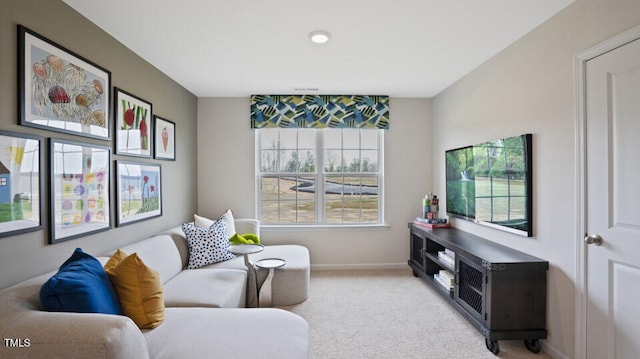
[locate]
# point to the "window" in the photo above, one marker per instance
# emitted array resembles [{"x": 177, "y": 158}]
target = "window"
[{"x": 319, "y": 176}]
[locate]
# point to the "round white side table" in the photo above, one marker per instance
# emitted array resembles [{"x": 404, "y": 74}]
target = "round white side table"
[
  {"x": 265, "y": 292},
  {"x": 245, "y": 250}
]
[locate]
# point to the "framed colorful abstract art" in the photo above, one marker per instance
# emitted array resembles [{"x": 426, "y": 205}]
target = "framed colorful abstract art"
[
  {"x": 60, "y": 90},
  {"x": 139, "y": 191},
  {"x": 165, "y": 133},
  {"x": 133, "y": 124},
  {"x": 21, "y": 183},
  {"x": 79, "y": 188}
]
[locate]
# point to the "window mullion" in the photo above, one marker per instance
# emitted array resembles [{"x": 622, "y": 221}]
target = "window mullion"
[
  {"x": 258, "y": 174},
  {"x": 342, "y": 169},
  {"x": 360, "y": 151},
  {"x": 297, "y": 177},
  {"x": 380, "y": 176},
  {"x": 320, "y": 208},
  {"x": 279, "y": 201}
]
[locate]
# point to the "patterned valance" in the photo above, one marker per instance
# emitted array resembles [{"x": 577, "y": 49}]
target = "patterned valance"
[{"x": 319, "y": 111}]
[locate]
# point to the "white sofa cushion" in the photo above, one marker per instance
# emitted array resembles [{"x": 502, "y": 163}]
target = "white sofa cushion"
[
  {"x": 219, "y": 288},
  {"x": 205, "y": 222},
  {"x": 158, "y": 252},
  {"x": 264, "y": 333}
]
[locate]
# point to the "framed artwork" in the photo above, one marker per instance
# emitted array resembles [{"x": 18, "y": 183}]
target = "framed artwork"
[
  {"x": 80, "y": 187},
  {"x": 133, "y": 124},
  {"x": 165, "y": 139},
  {"x": 139, "y": 191},
  {"x": 59, "y": 90},
  {"x": 21, "y": 183}
]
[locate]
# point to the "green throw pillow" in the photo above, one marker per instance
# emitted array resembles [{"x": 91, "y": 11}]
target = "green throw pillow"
[{"x": 247, "y": 238}]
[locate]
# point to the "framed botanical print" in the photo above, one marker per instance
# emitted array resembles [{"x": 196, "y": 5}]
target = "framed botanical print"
[
  {"x": 80, "y": 184},
  {"x": 165, "y": 139},
  {"x": 139, "y": 191},
  {"x": 60, "y": 90},
  {"x": 21, "y": 183},
  {"x": 133, "y": 125}
]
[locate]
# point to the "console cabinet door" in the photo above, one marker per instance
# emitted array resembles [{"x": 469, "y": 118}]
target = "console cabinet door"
[
  {"x": 417, "y": 248},
  {"x": 471, "y": 288}
]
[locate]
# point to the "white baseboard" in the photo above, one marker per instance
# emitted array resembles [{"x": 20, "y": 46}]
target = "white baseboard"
[{"x": 364, "y": 266}]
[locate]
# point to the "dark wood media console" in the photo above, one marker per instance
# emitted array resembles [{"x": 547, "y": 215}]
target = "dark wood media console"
[{"x": 501, "y": 291}]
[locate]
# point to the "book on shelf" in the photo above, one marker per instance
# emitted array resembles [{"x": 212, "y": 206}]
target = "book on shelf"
[
  {"x": 446, "y": 258},
  {"x": 442, "y": 282},
  {"x": 423, "y": 223},
  {"x": 447, "y": 277},
  {"x": 450, "y": 252}
]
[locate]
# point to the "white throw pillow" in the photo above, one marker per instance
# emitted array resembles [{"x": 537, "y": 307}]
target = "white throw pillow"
[
  {"x": 204, "y": 222},
  {"x": 207, "y": 245}
]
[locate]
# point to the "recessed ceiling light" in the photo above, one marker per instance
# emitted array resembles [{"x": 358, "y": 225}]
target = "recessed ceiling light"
[{"x": 319, "y": 37}]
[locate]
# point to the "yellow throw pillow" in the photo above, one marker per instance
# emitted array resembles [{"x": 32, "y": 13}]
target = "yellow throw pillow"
[
  {"x": 139, "y": 289},
  {"x": 115, "y": 259}
]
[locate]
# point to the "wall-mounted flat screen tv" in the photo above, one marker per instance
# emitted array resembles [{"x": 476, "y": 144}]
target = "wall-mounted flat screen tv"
[{"x": 490, "y": 184}]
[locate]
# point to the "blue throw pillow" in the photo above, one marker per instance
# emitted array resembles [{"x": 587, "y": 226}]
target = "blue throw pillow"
[{"x": 82, "y": 286}]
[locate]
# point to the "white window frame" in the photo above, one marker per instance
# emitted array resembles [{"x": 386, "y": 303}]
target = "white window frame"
[{"x": 320, "y": 175}]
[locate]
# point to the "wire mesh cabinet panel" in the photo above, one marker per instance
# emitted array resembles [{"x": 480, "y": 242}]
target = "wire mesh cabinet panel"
[{"x": 470, "y": 291}]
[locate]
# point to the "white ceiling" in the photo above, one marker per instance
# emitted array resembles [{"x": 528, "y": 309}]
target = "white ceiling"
[{"x": 400, "y": 48}]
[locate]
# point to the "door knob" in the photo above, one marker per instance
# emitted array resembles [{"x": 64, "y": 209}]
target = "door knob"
[{"x": 593, "y": 239}]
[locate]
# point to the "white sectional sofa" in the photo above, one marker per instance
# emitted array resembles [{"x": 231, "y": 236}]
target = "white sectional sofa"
[
  {"x": 205, "y": 314},
  {"x": 290, "y": 285}
]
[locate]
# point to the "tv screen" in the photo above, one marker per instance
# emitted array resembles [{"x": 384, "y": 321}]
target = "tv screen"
[{"x": 490, "y": 183}]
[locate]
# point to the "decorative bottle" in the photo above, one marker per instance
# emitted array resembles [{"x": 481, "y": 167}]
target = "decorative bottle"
[{"x": 426, "y": 204}]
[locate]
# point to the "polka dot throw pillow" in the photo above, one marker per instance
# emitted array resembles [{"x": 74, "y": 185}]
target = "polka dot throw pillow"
[{"x": 207, "y": 245}]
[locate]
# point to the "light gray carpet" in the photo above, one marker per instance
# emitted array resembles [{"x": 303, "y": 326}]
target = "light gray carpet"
[{"x": 390, "y": 314}]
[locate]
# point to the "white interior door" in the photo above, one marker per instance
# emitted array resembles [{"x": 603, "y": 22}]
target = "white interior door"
[{"x": 613, "y": 204}]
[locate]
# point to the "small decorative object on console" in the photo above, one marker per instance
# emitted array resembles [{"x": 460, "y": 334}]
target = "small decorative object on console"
[{"x": 430, "y": 208}]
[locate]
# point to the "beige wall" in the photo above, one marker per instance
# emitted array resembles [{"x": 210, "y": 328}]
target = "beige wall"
[
  {"x": 23, "y": 256},
  {"x": 226, "y": 180},
  {"x": 529, "y": 87}
]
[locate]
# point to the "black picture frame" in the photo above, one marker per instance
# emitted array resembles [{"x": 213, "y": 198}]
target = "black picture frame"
[
  {"x": 59, "y": 90},
  {"x": 165, "y": 139},
  {"x": 132, "y": 120},
  {"x": 80, "y": 189},
  {"x": 139, "y": 191},
  {"x": 21, "y": 183}
]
